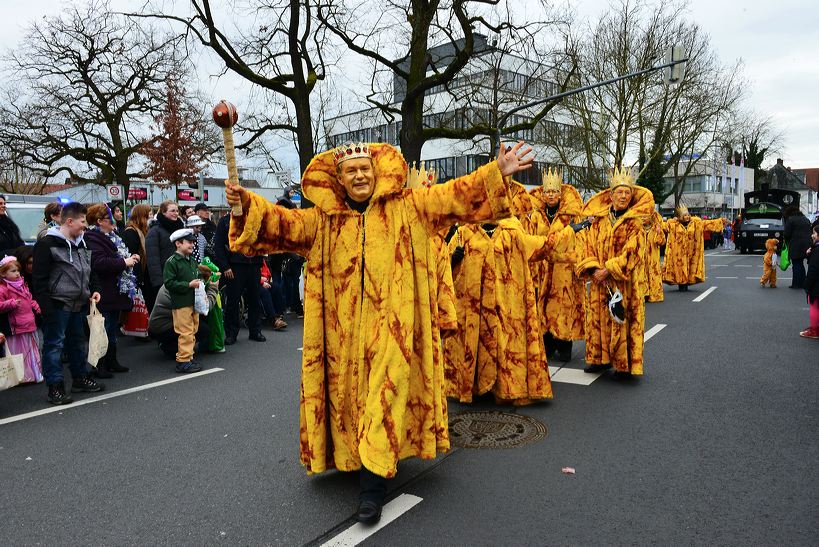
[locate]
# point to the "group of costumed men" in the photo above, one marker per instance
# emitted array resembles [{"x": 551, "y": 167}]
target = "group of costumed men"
[{"x": 415, "y": 292}]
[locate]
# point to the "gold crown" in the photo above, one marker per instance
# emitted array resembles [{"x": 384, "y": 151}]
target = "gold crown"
[
  {"x": 351, "y": 150},
  {"x": 681, "y": 211},
  {"x": 621, "y": 176},
  {"x": 420, "y": 178},
  {"x": 551, "y": 179}
]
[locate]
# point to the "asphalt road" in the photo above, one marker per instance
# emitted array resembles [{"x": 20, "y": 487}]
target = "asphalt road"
[{"x": 716, "y": 444}]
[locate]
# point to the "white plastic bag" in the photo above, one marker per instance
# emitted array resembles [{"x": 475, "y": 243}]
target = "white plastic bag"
[
  {"x": 200, "y": 299},
  {"x": 12, "y": 371},
  {"x": 97, "y": 339}
]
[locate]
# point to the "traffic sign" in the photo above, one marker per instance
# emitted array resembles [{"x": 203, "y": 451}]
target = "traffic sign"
[{"x": 115, "y": 192}]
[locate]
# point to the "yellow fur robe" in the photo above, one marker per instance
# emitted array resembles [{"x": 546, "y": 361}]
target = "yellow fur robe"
[
  {"x": 498, "y": 346},
  {"x": 684, "y": 250},
  {"x": 371, "y": 387},
  {"x": 655, "y": 237},
  {"x": 560, "y": 290},
  {"x": 768, "y": 268},
  {"x": 620, "y": 247}
]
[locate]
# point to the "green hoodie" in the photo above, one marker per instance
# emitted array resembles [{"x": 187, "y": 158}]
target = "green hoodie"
[{"x": 179, "y": 272}]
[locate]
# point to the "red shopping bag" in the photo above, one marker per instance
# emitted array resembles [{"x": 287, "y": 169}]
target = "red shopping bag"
[{"x": 136, "y": 320}]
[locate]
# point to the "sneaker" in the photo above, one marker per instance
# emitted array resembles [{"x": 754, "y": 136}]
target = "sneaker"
[
  {"x": 810, "y": 333},
  {"x": 86, "y": 385},
  {"x": 279, "y": 324},
  {"x": 190, "y": 366},
  {"x": 57, "y": 395}
]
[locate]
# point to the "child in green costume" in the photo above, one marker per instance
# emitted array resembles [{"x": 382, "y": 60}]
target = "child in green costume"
[{"x": 216, "y": 338}]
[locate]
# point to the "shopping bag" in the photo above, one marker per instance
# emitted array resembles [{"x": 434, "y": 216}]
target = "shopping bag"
[
  {"x": 200, "y": 299},
  {"x": 136, "y": 320},
  {"x": 216, "y": 324},
  {"x": 784, "y": 258},
  {"x": 12, "y": 371},
  {"x": 97, "y": 339}
]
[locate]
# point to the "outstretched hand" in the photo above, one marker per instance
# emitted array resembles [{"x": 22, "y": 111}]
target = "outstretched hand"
[{"x": 513, "y": 160}]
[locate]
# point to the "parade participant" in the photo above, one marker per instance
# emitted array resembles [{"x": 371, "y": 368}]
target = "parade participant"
[
  {"x": 769, "y": 268},
  {"x": 612, "y": 260},
  {"x": 369, "y": 395},
  {"x": 685, "y": 248},
  {"x": 655, "y": 238},
  {"x": 560, "y": 291},
  {"x": 498, "y": 345}
]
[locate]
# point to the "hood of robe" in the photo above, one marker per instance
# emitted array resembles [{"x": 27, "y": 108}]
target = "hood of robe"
[
  {"x": 642, "y": 204},
  {"x": 570, "y": 201},
  {"x": 321, "y": 186}
]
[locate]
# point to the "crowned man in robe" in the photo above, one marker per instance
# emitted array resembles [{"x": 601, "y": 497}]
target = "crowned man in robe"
[
  {"x": 613, "y": 260},
  {"x": 498, "y": 346},
  {"x": 655, "y": 238},
  {"x": 369, "y": 388},
  {"x": 685, "y": 247},
  {"x": 560, "y": 290}
]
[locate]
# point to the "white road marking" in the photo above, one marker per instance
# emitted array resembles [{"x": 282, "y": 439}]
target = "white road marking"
[
  {"x": 553, "y": 370},
  {"x": 107, "y": 396},
  {"x": 743, "y": 265},
  {"x": 712, "y": 254},
  {"x": 652, "y": 331},
  {"x": 358, "y": 532},
  {"x": 726, "y": 277},
  {"x": 575, "y": 376},
  {"x": 701, "y": 297},
  {"x": 300, "y": 349}
]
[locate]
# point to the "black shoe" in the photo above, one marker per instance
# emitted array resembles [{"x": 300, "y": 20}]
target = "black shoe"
[
  {"x": 230, "y": 340},
  {"x": 190, "y": 366},
  {"x": 256, "y": 337},
  {"x": 596, "y": 368},
  {"x": 369, "y": 512},
  {"x": 85, "y": 385},
  {"x": 100, "y": 371},
  {"x": 564, "y": 356},
  {"x": 112, "y": 365},
  {"x": 57, "y": 395},
  {"x": 622, "y": 375}
]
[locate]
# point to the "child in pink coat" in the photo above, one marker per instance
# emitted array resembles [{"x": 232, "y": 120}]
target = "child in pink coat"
[{"x": 17, "y": 318}]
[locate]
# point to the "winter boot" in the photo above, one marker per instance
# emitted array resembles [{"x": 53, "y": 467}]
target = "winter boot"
[
  {"x": 101, "y": 370},
  {"x": 111, "y": 364},
  {"x": 57, "y": 394}
]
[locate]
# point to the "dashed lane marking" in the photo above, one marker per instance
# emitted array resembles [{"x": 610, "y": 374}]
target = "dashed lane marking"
[
  {"x": 735, "y": 277},
  {"x": 653, "y": 331},
  {"x": 701, "y": 297},
  {"x": 358, "y": 532},
  {"x": 107, "y": 396}
]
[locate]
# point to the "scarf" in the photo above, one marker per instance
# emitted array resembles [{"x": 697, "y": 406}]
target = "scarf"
[
  {"x": 19, "y": 284},
  {"x": 126, "y": 282}
]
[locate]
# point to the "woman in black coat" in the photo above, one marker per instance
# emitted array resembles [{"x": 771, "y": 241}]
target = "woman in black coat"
[
  {"x": 797, "y": 236},
  {"x": 812, "y": 286},
  {"x": 159, "y": 248},
  {"x": 114, "y": 265},
  {"x": 9, "y": 232}
]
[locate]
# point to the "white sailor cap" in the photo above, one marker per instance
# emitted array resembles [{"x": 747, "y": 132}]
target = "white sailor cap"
[{"x": 184, "y": 233}]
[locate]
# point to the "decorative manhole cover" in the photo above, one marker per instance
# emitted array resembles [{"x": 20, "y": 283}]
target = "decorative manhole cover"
[{"x": 493, "y": 429}]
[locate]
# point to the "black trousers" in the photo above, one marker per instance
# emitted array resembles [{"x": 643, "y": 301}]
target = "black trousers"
[
  {"x": 246, "y": 280},
  {"x": 555, "y": 344},
  {"x": 372, "y": 487}
]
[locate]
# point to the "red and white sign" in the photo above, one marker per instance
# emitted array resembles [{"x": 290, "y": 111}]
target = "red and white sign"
[
  {"x": 137, "y": 193},
  {"x": 115, "y": 192},
  {"x": 189, "y": 195}
]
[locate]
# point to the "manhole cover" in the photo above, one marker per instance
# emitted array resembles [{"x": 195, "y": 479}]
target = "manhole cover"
[{"x": 493, "y": 429}]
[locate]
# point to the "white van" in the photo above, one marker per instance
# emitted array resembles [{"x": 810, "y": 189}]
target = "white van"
[{"x": 27, "y": 213}]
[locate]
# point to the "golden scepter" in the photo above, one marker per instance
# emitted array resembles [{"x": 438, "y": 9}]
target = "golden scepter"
[{"x": 225, "y": 115}]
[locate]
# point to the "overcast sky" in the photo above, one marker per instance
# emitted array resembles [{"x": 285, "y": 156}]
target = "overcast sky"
[{"x": 778, "y": 42}]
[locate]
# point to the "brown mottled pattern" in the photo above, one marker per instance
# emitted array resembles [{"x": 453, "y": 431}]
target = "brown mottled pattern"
[
  {"x": 499, "y": 346},
  {"x": 560, "y": 290},
  {"x": 684, "y": 250},
  {"x": 372, "y": 368},
  {"x": 654, "y": 273},
  {"x": 620, "y": 248}
]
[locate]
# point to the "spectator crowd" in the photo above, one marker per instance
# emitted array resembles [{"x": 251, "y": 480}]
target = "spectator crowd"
[{"x": 159, "y": 275}]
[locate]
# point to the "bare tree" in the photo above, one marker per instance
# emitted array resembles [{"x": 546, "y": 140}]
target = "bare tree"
[
  {"x": 283, "y": 52},
  {"x": 16, "y": 178},
  {"x": 398, "y": 42},
  {"x": 86, "y": 84}
]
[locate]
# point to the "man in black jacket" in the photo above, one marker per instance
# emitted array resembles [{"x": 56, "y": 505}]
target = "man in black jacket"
[
  {"x": 208, "y": 230},
  {"x": 240, "y": 274},
  {"x": 63, "y": 284},
  {"x": 797, "y": 236}
]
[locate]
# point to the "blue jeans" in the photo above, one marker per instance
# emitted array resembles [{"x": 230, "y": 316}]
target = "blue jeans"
[
  {"x": 64, "y": 329},
  {"x": 111, "y": 326}
]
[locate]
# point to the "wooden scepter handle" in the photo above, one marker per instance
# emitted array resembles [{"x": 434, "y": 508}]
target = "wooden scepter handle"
[
  {"x": 226, "y": 116},
  {"x": 233, "y": 173}
]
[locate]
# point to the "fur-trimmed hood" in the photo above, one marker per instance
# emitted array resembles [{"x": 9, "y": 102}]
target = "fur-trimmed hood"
[
  {"x": 642, "y": 205},
  {"x": 320, "y": 181},
  {"x": 570, "y": 201}
]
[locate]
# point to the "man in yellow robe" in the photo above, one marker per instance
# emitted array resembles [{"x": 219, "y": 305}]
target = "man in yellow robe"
[
  {"x": 613, "y": 260},
  {"x": 498, "y": 345},
  {"x": 371, "y": 390},
  {"x": 685, "y": 248},
  {"x": 560, "y": 290},
  {"x": 655, "y": 237}
]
